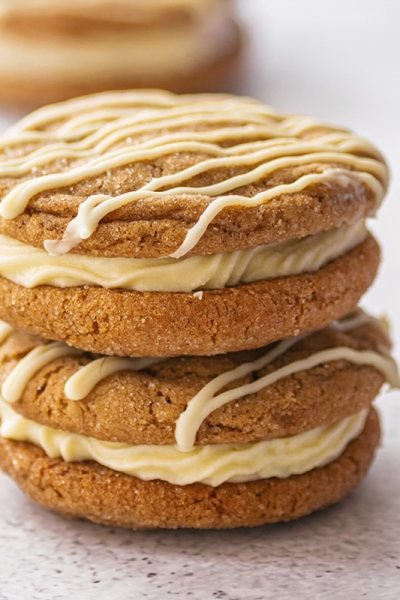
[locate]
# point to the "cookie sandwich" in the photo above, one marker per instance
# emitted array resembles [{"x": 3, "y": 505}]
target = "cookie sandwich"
[
  {"x": 206, "y": 442},
  {"x": 150, "y": 224},
  {"x": 179, "y": 277},
  {"x": 51, "y": 51}
]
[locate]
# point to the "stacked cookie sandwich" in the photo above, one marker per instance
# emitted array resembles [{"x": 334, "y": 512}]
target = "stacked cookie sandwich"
[
  {"x": 51, "y": 50},
  {"x": 179, "y": 280}
]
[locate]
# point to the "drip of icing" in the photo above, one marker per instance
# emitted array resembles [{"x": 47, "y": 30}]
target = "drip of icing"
[
  {"x": 212, "y": 465},
  {"x": 91, "y": 134},
  {"x": 96, "y": 207},
  {"x": 356, "y": 319},
  {"x": 80, "y": 384},
  {"x": 328, "y": 176}
]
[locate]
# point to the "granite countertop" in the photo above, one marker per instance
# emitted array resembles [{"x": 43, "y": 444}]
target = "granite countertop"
[{"x": 337, "y": 61}]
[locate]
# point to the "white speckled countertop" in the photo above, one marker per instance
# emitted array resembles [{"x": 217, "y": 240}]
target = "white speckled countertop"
[{"x": 338, "y": 61}]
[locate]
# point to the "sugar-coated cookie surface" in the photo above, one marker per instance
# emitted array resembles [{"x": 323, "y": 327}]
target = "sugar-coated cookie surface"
[
  {"x": 278, "y": 412},
  {"x": 130, "y": 323},
  {"x": 144, "y": 223},
  {"x": 50, "y": 51},
  {"x": 179, "y": 277},
  {"x": 139, "y": 401},
  {"x": 206, "y": 442},
  {"x": 150, "y": 174}
]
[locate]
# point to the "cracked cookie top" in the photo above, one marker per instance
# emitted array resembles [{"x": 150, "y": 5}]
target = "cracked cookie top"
[{"x": 148, "y": 174}]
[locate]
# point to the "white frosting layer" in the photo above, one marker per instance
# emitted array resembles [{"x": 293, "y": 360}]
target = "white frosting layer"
[
  {"x": 30, "y": 267},
  {"x": 120, "y": 52},
  {"x": 212, "y": 465}
]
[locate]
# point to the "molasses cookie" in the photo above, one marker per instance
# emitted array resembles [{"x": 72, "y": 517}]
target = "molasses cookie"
[
  {"x": 139, "y": 401},
  {"x": 206, "y": 442},
  {"x": 149, "y": 224},
  {"x": 102, "y": 495},
  {"x": 51, "y": 51}
]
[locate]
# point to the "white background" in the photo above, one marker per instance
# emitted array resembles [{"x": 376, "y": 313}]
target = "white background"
[{"x": 339, "y": 61}]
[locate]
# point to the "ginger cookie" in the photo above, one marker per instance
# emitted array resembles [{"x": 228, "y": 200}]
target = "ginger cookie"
[
  {"x": 289, "y": 425},
  {"x": 149, "y": 224},
  {"x": 139, "y": 401},
  {"x": 52, "y": 51},
  {"x": 102, "y": 495}
]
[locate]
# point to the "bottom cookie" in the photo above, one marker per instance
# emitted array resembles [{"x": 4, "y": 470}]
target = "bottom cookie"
[{"x": 88, "y": 490}]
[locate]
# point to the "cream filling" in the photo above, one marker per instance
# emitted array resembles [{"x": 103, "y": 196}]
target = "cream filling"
[
  {"x": 31, "y": 267},
  {"x": 212, "y": 465},
  {"x": 210, "y": 397},
  {"x": 144, "y": 53}
]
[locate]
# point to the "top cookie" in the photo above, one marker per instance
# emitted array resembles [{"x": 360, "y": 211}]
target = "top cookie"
[
  {"x": 149, "y": 224},
  {"x": 148, "y": 174}
]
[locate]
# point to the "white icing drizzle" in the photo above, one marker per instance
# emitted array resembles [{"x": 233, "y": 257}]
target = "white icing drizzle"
[
  {"x": 328, "y": 176},
  {"x": 5, "y": 331},
  {"x": 30, "y": 267},
  {"x": 358, "y": 318},
  {"x": 30, "y": 364},
  {"x": 205, "y": 402},
  {"x": 79, "y": 385},
  {"x": 127, "y": 116},
  {"x": 207, "y": 399},
  {"x": 212, "y": 464}
]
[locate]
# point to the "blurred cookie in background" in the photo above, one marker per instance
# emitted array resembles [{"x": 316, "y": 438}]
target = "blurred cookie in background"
[{"x": 50, "y": 51}]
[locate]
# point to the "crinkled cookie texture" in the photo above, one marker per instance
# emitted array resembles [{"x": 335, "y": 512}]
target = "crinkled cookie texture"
[
  {"x": 180, "y": 251},
  {"x": 308, "y": 399},
  {"x": 151, "y": 176},
  {"x": 140, "y": 402},
  {"x": 51, "y": 51},
  {"x": 88, "y": 490},
  {"x": 130, "y": 323}
]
